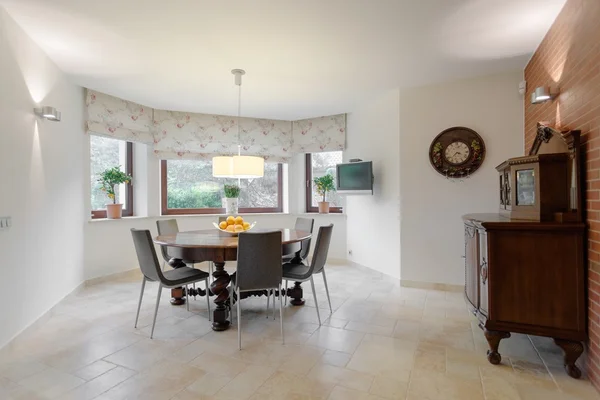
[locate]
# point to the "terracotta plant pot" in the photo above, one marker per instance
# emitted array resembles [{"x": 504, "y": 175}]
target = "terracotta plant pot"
[
  {"x": 323, "y": 207},
  {"x": 114, "y": 211}
]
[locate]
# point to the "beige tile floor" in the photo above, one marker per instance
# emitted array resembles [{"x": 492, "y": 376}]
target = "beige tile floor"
[{"x": 381, "y": 342}]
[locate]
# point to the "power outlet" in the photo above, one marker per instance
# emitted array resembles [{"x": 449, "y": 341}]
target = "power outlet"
[{"x": 349, "y": 252}]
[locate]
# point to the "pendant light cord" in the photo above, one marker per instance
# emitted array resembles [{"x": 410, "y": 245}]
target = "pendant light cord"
[
  {"x": 239, "y": 117},
  {"x": 238, "y": 123}
]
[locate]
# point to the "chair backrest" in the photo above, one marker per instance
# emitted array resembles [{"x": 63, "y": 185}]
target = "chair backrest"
[
  {"x": 259, "y": 260},
  {"x": 321, "y": 249},
  {"x": 166, "y": 227},
  {"x": 146, "y": 254},
  {"x": 307, "y": 225}
]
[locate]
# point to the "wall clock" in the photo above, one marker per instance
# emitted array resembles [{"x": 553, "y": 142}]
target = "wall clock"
[{"x": 457, "y": 152}]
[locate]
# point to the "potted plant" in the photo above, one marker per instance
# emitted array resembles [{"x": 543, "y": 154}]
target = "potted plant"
[
  {"x": 232, "y": 192},
  {"x": 109, "y": 179},
  {"x": 323, "y": 185}
]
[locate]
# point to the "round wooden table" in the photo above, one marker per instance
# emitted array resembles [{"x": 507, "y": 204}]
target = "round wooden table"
[{"x": 218, "y": 247}]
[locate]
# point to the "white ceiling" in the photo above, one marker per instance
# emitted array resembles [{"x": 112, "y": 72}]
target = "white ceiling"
[{"x": 303, "y": 58}]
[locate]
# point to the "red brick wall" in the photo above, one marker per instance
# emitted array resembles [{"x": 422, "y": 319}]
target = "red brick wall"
[{"x": 569, "y": 59}]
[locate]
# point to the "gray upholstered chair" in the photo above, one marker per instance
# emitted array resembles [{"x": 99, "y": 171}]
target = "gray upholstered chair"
[
  {"x": 166, "y": 227},
  {"x": 302, "y": 224},
  {"x": 170, "y": 227},
  {"x": 151, "y": 270},
  {"x": 258, "y": 268},
  {"x": 303, "y": 273},
  {"x": 307, "y": 225}
]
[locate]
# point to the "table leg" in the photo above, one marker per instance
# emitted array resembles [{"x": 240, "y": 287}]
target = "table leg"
[
  {"x": 219, "y": 287},
  {"x": 297, "y": 259},
  {"x": 296, "y": 294},
  {"x": 177, "y": 294}
]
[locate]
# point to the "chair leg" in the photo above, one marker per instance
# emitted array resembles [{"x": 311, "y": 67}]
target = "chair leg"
[
  {"x": 273, "y": 291},
  {"x": 210, "y": 269},
  {"x": 312, "y": 284},
  {"x": 156, "y": 309},
  {"x": 281, "y": 314},
  {"x": 268, "y": 301},
  {"x": 208, "y": 299},
  {"x": 327, "y": 290},
  {"x": 137, "y": 316},
  {"x": 187, "y": 298},
  {"x": 286, "y": 291},
  {"x": 239, "y": 320}
]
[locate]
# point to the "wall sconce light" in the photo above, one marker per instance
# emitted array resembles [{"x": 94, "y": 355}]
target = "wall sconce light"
[
  {"x": 541, "y": 95},
  {"x": 50, "y": 113}
]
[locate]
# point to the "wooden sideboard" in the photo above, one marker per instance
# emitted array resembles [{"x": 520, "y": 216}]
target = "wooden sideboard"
[{"x": 527, "y": 277}]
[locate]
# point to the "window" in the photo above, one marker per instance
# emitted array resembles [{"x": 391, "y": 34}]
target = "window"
[
  {"x": 188, "y": 187},
  {"x": 106, "y": 153},
  {"x": 319, "y": 164}
]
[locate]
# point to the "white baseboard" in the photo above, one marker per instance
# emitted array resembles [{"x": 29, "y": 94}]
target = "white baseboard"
[
  {"x": 42, "y": 319},
  {"x": 446, "y": 287}
]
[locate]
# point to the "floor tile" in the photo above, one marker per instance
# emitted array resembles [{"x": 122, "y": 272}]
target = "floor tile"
[
  {"x": 246, "y": 382},
  {"x": 93, "y": 370},
  {"x": 383, "y": 341},
  {"x": 99, "y": 385},
  {"x": 337, "y": 358},
  {"x": 437, "y": 386},
  {"x": 51, "y": 382},
  {"x": 336, "y": 339},
  {"x": 343, "y": 393},
  {"x": 341, "y": 376}
]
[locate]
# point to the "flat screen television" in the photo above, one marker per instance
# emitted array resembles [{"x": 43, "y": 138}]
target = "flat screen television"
[{"x": 355, "y": 178}]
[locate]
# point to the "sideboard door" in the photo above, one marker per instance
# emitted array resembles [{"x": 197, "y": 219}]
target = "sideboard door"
[
  {"x": 484, "y": 272},
  {"x": 472, "y": 265}
]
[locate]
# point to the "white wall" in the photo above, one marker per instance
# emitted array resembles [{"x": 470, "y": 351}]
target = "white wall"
[
  {"x": 374, "y": 221},
  {"x": 432, "y": 206},
  {"x": 41, "y": 184}
]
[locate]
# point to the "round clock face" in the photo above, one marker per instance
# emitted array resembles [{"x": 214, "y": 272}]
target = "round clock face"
[{"x": 457, "y": 153}]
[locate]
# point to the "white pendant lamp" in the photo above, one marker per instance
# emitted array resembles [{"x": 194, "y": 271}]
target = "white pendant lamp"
[{"x": 241, "y": 167}]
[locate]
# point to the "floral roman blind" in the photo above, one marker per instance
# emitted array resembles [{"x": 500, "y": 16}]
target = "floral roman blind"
[
  {"x": 119, "y": 119},
  {"x": 190, "y": 135},
  {"x": 315, "y": 135},
  {"x": 180, "y": 135}
]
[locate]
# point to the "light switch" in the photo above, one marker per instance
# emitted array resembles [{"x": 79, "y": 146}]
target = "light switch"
[{"x": 5, "y": 222}]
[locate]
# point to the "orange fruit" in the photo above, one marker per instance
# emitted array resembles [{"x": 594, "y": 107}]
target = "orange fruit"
[
  {"x": 239, "y": 220},
  {"x": 246, "y": 225},
  {"x": 230, "y": 228},
  {"x": 239, "y": 228},
  {"x": 223, "y": 224},
  {"x": 230, "y": 220}
]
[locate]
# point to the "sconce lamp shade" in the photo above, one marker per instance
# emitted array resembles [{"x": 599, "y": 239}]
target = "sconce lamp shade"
[
  {"x": 541, "y": 95},
  {"x": 50, "y": 113}
]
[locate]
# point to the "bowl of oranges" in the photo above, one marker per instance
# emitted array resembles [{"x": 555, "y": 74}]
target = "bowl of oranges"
[{"x": 234, "y": 225}]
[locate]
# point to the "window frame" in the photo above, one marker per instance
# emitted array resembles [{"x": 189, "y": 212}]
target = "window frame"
[
  {"x": 242, "y": 210},
  {"x": 308, "y": 190},
  {"x": 128, "y": 211}
]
